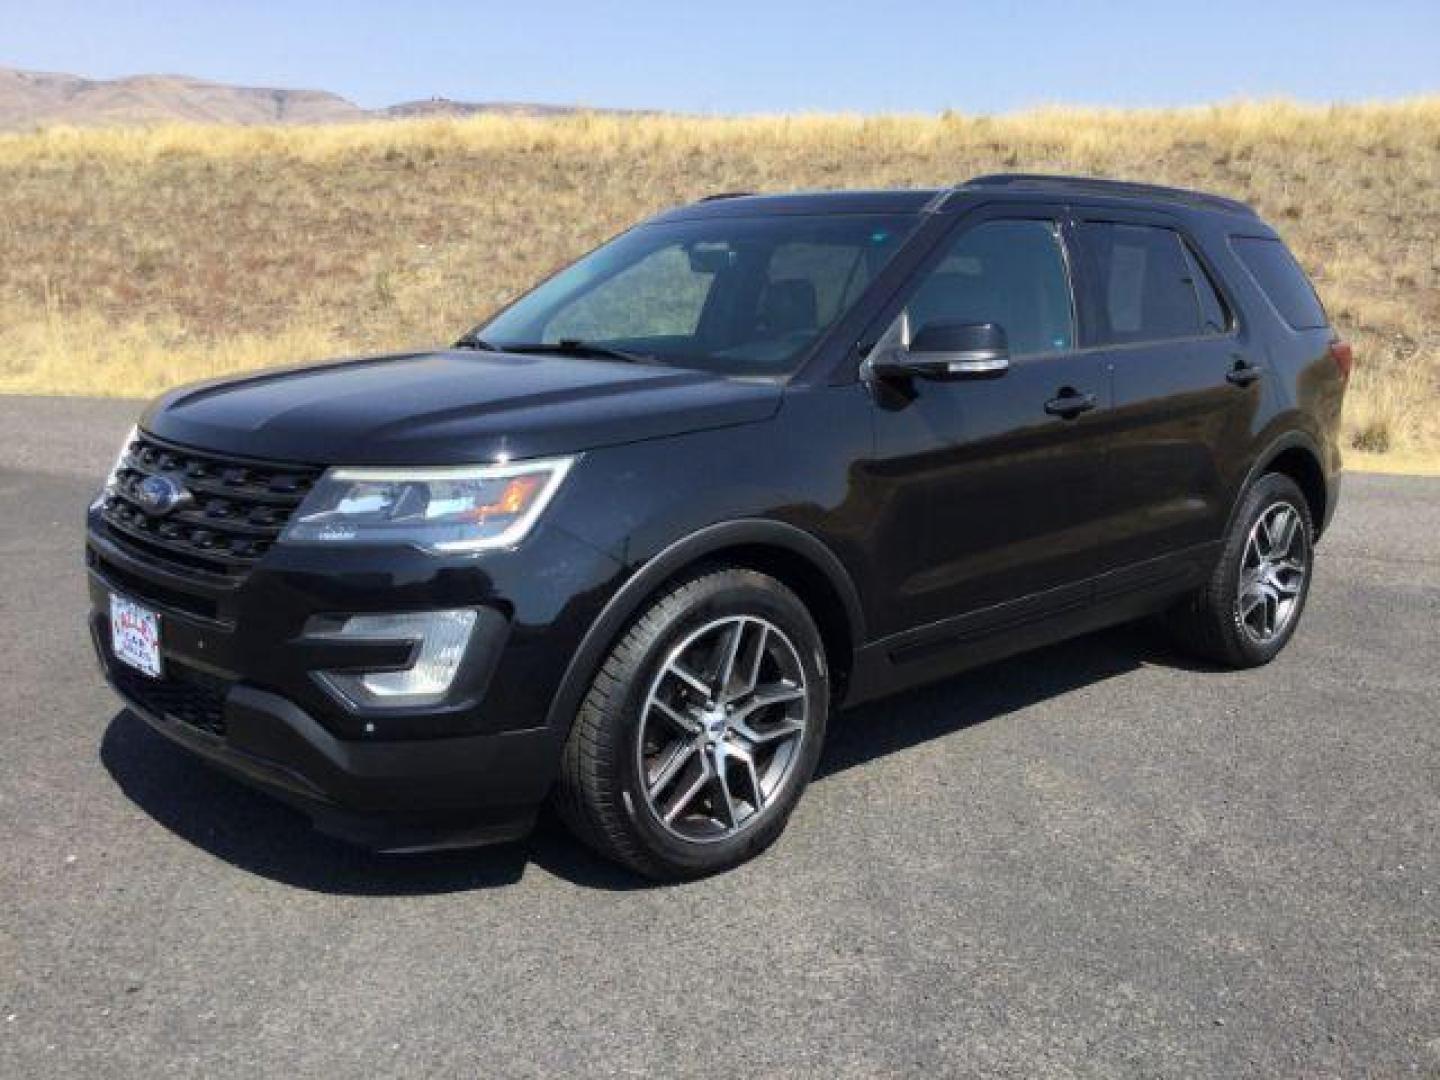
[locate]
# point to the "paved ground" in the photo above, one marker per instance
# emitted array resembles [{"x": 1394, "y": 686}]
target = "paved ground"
[{"x": 1095, "y": 860}]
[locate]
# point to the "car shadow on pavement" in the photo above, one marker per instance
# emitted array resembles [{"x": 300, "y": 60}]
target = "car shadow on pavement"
[
  {"x": 888, "y": 726},
  {"x": 260, "y": 835}
]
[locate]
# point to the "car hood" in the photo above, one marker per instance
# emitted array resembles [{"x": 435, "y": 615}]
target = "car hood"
[{"x": 451, "y": 407}]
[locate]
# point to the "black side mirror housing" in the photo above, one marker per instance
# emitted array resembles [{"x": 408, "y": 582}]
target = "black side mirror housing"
[{"x": 948, "y": 350}]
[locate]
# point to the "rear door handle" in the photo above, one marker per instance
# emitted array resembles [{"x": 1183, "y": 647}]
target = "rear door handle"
[
  {"x": 1070, "y": 403},
  {"x": 1243, "y": 374}
]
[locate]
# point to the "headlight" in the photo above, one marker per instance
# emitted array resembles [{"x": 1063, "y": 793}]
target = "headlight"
[
  {"x": 112, "y": 477},
  {"x": 466, "y": 508}
]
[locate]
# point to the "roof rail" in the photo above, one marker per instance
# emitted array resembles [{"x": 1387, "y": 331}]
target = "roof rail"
[
  {"x": 1124, "y": 189},
  {"x": 724, "y": 195}
]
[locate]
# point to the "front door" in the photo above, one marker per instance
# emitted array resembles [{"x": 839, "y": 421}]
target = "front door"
[{"x": 988, "y": 488}]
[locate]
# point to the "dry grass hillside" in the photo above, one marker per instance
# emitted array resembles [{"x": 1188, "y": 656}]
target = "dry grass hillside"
[{"x": 134, "y": 259}]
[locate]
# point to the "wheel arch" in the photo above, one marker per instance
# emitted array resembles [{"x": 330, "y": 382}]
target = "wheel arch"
[
  {"x": 791, "y": 555},
  {"x": 1297, "y": 456}
]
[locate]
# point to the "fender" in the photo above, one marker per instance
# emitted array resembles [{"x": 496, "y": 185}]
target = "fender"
[
  {"x": 626, "y": 602},
  {"x": 1286, "y": 441}
]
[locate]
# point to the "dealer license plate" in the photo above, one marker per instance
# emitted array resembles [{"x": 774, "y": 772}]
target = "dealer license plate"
[{"x": 135, "y": 635}]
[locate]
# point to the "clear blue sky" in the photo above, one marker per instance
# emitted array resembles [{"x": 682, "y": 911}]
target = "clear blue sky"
[{"x": 743, "y": 56}]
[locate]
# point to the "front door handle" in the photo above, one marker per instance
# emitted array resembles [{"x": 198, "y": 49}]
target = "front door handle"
[
  {"x": 1070, "y": 403},
  {"x": 1243, "y": 373}
]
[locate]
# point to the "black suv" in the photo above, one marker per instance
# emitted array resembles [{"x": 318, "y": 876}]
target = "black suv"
[{"x": 628, "y": 544}]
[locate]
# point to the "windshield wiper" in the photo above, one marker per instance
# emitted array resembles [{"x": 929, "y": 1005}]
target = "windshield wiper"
[{"x": 576, "y": 347}]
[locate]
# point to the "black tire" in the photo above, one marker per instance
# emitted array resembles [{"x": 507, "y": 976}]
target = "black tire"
[
  {"x": 1209, "y": 623},
  {"x": 601, "y": 791}
]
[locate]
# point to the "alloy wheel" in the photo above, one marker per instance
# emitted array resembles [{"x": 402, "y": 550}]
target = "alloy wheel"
[
  {"x": 721, "y": 728},
  {"x": 1272, "y": 573}
]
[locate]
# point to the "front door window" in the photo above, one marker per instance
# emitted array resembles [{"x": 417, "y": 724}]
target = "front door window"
[{"x": 1008, "y": 272}]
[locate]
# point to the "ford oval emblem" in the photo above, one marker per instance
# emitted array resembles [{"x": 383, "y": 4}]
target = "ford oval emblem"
[{"x": 158, "y": 495}]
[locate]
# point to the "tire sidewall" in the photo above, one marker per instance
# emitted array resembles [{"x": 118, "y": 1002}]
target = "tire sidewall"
[{"x": 726, "y": 594}]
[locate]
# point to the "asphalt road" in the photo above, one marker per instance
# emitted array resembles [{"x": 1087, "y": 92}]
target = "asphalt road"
[{"x": 1095, "y": 860}]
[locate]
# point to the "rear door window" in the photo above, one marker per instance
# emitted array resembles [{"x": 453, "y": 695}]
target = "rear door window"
[
  {"x": 1214, "y": 315},
  {"x": 1281, "y": 279},
  {"x": 1142, "y": 286}
]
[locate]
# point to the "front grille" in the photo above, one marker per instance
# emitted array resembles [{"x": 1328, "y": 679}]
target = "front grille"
[
  {"x": 185, "y": 695},
  {"x": 236, "y": 510},
  {"x": 140, "y": 587}
]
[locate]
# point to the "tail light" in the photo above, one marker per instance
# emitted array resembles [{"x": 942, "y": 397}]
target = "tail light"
[{"x": 1344, "y": 357}]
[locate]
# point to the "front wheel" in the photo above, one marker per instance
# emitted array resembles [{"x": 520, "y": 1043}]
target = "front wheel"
[
  {"x": 701, "y": 729},
  {"x": 1252, "y": 603}
]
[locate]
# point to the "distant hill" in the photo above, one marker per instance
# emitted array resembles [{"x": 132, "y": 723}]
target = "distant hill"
[{"x": 31, "y": 99}]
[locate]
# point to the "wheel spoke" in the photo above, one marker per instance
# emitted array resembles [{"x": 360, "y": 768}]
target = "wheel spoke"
[
  {"x": 726, "y": 803},
  {"x": 764, "y": 697},
  {"x": 688, "y": 677},
  {"x": 680, "y": 755},
  {"x": 1285, "y": 588},
  {"x": 1283, "y": 531},
  {"x": 1263, "y": 543},
  {"x": 725, "y": 670},
  {"x": 754, "y": 657},
  {"x": 747, "y": 759},
  {"x": 760, "y": 737},
  {"x": 686, "y": 792},
  {"x": 687, "y": 724}
]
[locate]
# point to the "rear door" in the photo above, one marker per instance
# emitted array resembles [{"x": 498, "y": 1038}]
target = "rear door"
[{"x": 1185, "y": 388}]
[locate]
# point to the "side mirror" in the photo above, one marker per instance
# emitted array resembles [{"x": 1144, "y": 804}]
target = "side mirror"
[{"x": 947, "y": 350}]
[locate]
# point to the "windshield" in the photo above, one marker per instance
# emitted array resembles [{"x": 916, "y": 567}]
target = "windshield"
[{"x": 737, "y": 296}]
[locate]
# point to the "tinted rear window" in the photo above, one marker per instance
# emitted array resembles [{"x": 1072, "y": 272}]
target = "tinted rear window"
[
  {"x": 1280, "y": 277},
  {"x": 1213, "y": 312},
  {"x": 1143, "y": 289}
]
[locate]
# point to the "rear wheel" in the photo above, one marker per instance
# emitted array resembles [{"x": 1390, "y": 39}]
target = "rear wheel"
[
  {"x": 701, "y": 728},
  {"x": 1253, "y": 601}
]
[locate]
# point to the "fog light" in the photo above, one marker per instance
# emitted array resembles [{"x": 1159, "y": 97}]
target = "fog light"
[{"x": 441, "y": 636}]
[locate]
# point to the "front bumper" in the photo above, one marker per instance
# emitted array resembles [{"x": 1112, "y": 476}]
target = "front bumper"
[
  {"x": 408, "y": 796},
  {"x": 239, "y": 689}
]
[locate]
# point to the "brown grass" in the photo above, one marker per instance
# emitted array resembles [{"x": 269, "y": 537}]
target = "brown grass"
[{"x": 131, "y": 259}]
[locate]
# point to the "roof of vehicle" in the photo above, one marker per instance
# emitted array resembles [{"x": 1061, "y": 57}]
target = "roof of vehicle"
[
  {"x": 1118, "y": 189},
  {"x": 1031, "y": 185},
  {"x": 895, "y": 201}
]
